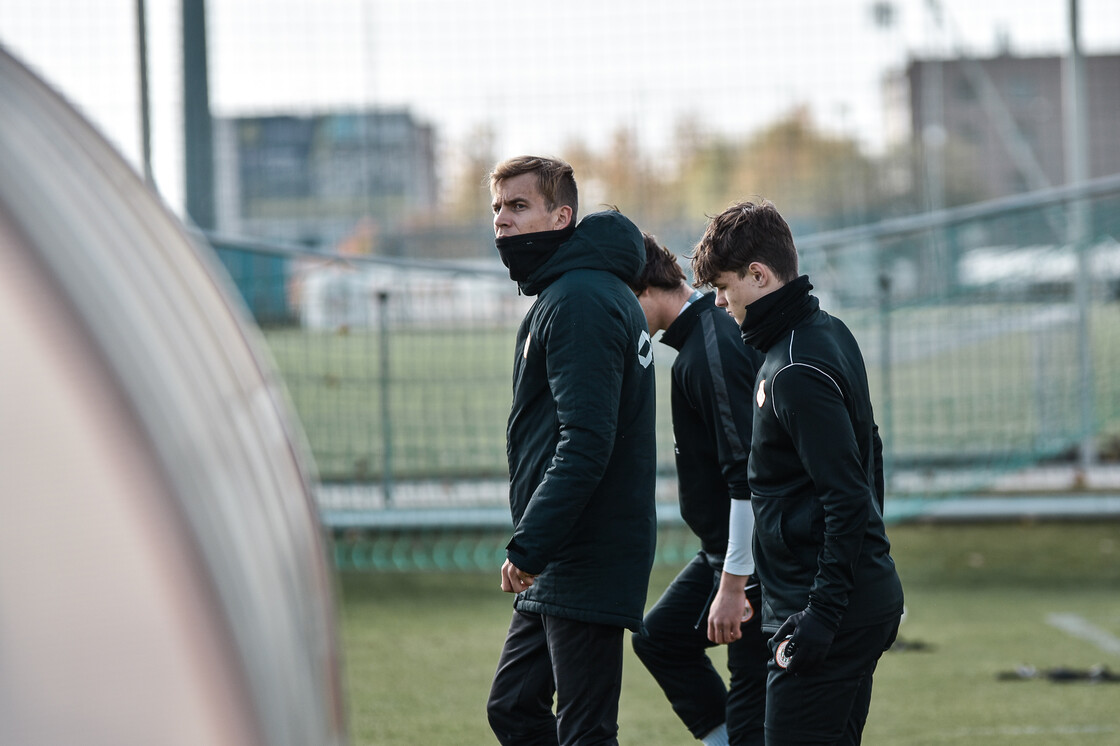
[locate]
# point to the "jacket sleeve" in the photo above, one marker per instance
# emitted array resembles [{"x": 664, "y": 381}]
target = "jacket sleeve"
[
  {"x": 811, "y": 407},
  {"x": 586, "y": 349},
  {"x": 723, "y": 401}
]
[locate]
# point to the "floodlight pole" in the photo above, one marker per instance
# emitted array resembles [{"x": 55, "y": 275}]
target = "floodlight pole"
[
  {"x": 145, "y": 105},
  {"x": 1077, "y": 171},
  {"x": 933, "y": 142},
  {"x": 198, "y": 135}
]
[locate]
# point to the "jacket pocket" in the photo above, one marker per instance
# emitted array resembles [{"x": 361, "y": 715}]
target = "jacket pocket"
[{"x": 790, "y": 531}]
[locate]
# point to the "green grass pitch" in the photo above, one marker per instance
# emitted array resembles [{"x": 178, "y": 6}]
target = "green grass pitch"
[{"x": 420, "y": 648}]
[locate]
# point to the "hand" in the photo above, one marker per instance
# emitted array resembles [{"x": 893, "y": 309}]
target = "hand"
[
  {"x": 809, "y": 644},
  {"x": 730, "y": 608},
  {"x": 514, "y": 580}
]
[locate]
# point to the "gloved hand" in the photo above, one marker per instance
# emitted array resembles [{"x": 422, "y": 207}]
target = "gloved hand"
[{"x": 809, "y": 644}]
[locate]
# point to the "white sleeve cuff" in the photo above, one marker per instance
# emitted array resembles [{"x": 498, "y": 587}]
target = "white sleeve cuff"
[{"x": 740, "y": 557}]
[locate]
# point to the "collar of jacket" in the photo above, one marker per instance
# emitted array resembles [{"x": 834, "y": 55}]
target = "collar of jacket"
[
  {"x": 605, "y": 241},
  {"x": 773, "y": 315},
  {"x": 678, "y": 331},
  {"x": 525, "y": 253}
]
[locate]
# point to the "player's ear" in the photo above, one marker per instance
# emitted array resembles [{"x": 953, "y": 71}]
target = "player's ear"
[
  {"x": 562, "y": 217},
  {"x": 759, "y": 274}
]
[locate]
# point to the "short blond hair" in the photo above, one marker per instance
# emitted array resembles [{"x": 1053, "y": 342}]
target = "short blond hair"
[{"x": 556, "y": 180}]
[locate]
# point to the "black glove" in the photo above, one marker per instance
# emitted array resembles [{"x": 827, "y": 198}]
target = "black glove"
[{"x": 809, "y": 644}]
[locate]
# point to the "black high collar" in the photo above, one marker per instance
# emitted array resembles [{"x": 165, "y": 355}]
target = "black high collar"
[
  {"x": 525, "y": 253},
  {"x": 770, "y": 317}
]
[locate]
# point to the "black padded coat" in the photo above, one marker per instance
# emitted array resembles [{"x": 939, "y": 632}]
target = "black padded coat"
[{"x": 580, "y": 437}]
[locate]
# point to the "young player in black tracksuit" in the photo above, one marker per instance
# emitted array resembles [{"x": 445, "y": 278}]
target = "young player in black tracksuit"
[
  {"x": 712, "y": 380},
  {"x": 830, "y": 592}
]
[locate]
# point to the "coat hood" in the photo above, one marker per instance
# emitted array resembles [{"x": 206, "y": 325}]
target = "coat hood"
[{"x": 605, "y": 240}]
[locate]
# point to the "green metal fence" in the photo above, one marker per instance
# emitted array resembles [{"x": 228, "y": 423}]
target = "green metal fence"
[{"x": 992, "y": 339}]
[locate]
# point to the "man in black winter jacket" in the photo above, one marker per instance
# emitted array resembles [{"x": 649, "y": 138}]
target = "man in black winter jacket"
[
  {"x": 712, "y": 381},
  {"x": 582, "y": 460},
  {"x": 830, "y": 592}
]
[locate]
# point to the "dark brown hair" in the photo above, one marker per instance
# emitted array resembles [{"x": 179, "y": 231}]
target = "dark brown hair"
[
  {"x": 743, "y": 233},
  {"x": 662, "y": 269}
]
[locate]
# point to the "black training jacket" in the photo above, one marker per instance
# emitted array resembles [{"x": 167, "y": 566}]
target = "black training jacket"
[
  {"x": 582, "y": 457},
  {"x": 713, "y": 377},
  {"x": 816, "y": 470}
]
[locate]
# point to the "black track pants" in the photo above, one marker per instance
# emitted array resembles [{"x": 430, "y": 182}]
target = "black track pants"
[
  {"x": 674, "y": 650},
  {"x": 578, "y": 662}
]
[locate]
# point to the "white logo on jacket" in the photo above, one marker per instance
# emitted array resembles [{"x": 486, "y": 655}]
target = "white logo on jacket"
[
  {"x": 645, "y": 349},
  {"x": 760, "y": 395}
]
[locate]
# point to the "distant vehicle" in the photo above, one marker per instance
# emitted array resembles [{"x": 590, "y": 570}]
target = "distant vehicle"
[{"x": 163, "y": 575}]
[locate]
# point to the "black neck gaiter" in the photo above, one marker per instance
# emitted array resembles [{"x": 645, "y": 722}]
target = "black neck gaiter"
[
  {"x": 771, "y": 316},
  {"x": 526, "y": 253}
]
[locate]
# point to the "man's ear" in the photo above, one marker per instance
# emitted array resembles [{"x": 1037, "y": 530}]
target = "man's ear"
[
  {"x": 563, "y": 217},
  {"x": 759, "y": 274}
]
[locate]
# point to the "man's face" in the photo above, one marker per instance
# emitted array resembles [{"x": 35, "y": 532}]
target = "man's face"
[
  {"x": 735, "y": 293},
  {"x": 520, "y": 208}
]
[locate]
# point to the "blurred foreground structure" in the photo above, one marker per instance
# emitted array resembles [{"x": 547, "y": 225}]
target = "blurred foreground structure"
[{"x": 163, "y": 578}]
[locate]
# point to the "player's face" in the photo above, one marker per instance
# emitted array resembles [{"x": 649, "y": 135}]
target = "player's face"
[
  {"x": 735, "y": 293},
  {"x": 520, "y": 208}
]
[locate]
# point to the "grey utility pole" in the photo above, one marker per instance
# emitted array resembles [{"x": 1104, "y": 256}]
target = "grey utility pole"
[
  {"x": 198, "y": 144},
  {"x": 145, "y": 105},
  {"x": 1077, "y": 172}
]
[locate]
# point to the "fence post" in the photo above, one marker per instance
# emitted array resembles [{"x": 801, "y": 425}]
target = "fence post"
[
  {"x": 1075, "y": 119},
  {"x": 886, "y": 429},
  {"x": 1083, "y": 282},
  {"x": 386, "y": 414}
]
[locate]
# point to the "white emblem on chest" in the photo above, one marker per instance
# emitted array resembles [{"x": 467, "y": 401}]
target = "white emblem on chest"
[
  {"x": 525, "y": 352},
  {"x": 760, "y": 395}
]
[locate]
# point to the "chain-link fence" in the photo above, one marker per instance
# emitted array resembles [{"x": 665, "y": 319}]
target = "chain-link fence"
[
  {"x": 342, "y": 146},
  {"x": 987, "y": 363}
]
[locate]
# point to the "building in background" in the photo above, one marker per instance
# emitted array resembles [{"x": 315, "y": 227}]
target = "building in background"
[
  {"x": 331, "y": 181},
  {"x": 990, "y": 127}
]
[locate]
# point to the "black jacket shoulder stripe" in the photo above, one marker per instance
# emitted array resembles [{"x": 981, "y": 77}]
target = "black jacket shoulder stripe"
[
  {"x": 719, "y": 386},
  {"x": 774, "y": 379},
  {"x": 835, "y": 383},
  {"x": 810, "y": 367}
]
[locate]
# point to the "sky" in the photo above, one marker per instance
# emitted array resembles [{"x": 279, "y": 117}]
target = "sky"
[{"x": 539, "y": 75}]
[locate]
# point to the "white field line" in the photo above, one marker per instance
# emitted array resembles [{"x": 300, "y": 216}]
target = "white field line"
[
  {"x": 1032, "y": 730},
  {"x": 1076, "y": 626}
]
